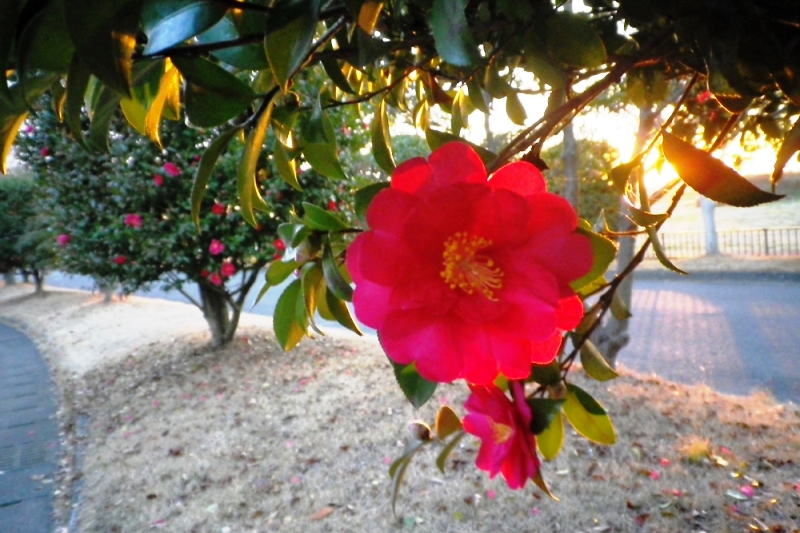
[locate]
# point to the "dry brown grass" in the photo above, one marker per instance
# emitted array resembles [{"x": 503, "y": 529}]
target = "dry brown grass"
[{"x": 248, "y": 438}]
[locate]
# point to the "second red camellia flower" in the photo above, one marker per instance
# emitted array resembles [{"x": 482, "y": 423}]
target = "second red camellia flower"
[{"x": 468, "y": 275}]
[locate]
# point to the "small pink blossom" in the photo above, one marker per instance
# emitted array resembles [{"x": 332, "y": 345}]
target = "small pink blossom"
[
  {"x": 655, "y": 475},
  {"x": 133, "y": 220},
  {"x": 387, "y": 460},
  {"x": 216, "y": 247},
  {"x": 215, "y": 279},
  {"x": 171, "y": 169},
  {"x": 44, "y": 151},
  {"x": 218, "y": 208},
  {"x": 28, "y": 129},
  {"x": 227, "y": 269},
  {"x": 62, "y": 240},
  {"x": 663, "y": 462},
  {"x": 703, "y": 97},
  {"x": 158, "y": 180},
  {"x": 747, "y": 490},
  {"x": 490, "y": 494},
  {"x": 502, "y": 425},
  {"x": 119, "y": 260}
]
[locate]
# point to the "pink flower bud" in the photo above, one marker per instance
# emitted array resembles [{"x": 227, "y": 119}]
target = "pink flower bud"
[
  {"x": 216, "y": 247},
  {"x": 215, "y": 279},
  {"x": 133, "y": 220},
  {"x": 158, "y": 179},
  {"x": 171, "y": 169},
  {"x": 62, "y": 240}
]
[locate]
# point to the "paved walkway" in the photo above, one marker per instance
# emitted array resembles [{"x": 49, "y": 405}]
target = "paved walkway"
[{"x": 28, "y": 436}]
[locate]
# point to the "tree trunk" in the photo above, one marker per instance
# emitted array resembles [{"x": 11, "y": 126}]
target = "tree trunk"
[
  {"x": 569, "y": 154},
  {"x": 222, "y": 318},
  {"x": 38, "y": 279},
  {"x": 707, "y": 207},
  {"x": 613, "y": 335},
  {"x": 9, "y": 278}
]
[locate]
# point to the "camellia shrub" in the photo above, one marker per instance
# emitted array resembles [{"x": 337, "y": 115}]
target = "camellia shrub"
[
  {"x": 25, "y": 244},
  {"x": 125, "y": 218}
]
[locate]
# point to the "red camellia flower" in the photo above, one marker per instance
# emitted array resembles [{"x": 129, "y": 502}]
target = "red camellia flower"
[
  {"x": 119, "y": 260},
  {"x": 133, "y": 220},
  {"x": 171, "y": 169},
  {"x": 227, "y": 269},
  {"x": 503, "y": 425},
  {"x": 216, "y": 247},
  {"x": 218, "y": 208},
  {"x": 158, "y": 179},
  {"x": 279, "y": 246},
  {"x": 44, "y": 151},
  {"x": 204, "y": 273},
  {"x": 332, "y": 206},
  {"x": 468, "y": 276},
  {"x": 215, "y": 279},
  {"x": 62, "y": 240},
  {"x": 703, "y": 97}
]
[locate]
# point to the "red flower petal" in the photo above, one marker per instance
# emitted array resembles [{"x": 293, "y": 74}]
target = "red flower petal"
[
  {"x": 456, "y": 162},
  {"x": 520, "y": 177},
  {"x": 411, "y": 175}
]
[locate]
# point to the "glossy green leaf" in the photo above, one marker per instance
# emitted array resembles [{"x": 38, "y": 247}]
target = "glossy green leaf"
[
  {"x": 711, "y": 177},
  {"x": 397, "y": 470},
  {"x": 337, "y": 77},
  {"x": 661, "y": 254},
  {"x": 363, "y": 197},
  {"x": 594, "y": 364},
  {"x": 288, "y": 47},
  {"x": 441, "y": 459},
  {"x": 543, "y": 410},
  {"x": 288, "y": 330},
  {"x": 548, "y": 374},
  {"x": 477, "y": 96},
  {"x": 249, "y": 195},
  {"x": 337, "y": 284},
  {"x": 451, "y": 33},
  {"x": 381, "y": 140},
  {"x": 436, "y": 138},
  {"x": 9, "y": 127},
  {"x": 644, "y": 218},
  {"x": 515, "y": 110},
  {"x": 318, "y": 128},
  {"x": 538, "y": 480},
  {"x": 287, "y": 168},
  {"x": 77, "y": 82},
  {"x": 339, "y": 311},
  {"x": 212, "y": 94},
  {"x": 320, "y": 219},
  {"x": 102, "y": 112},
  {"x": 368, "y": 15},
  {"x": 168, "y": 89},
  {"x": 247, "y": 56},
  {"x": 322, "y": 304},
  {"x": 447, "y": 422},
  {"x": 278, "y": 271},
  {"x": 44, "y": 43},
  {"x": 603, "y": 252},
  {"x": 458, "y": 117},
  {"x": 545, "y": 69},
  {"x": 322, "y": 158},
  {"x": 572, "y": 40},
  {"x": 204, "y": 169},
  {"x": 587, "y": 416},
  {"x": 311, "y": 281},
  {"x": 618, "y": 307},
  {"x": 551, "y": 439},
  {"x": 145, "y": 90},
  {"x": 104, "y": 35},
  {"x": 170, "y": 22},
  {"x": 620, "y": 174},
  {"x": 417, "y": 389},
  {"x": 789, "y": 146}
]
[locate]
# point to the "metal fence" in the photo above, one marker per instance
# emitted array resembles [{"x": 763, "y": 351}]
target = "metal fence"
[{"x": 764, "y": 242}]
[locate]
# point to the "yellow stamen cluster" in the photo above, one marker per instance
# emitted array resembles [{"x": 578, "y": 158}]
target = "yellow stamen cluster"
[
  {"x": 500, "y": 432},
  {"x": 467, "y": 270}
]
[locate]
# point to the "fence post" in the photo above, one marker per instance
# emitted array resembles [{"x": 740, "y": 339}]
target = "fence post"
[{"x": 766, "y": 241}]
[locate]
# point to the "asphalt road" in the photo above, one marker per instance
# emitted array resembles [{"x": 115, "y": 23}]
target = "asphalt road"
[{"x": 735, "y": 334}]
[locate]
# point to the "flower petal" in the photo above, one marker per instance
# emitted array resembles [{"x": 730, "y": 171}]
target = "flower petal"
[
  {"x": 417, "y": 336},
  {"x": 383, "y": 258},
  {"x": 520, "y": 177},
  {"x": 456, "y": 162},
  {"x": 371, "y": 303},
  {"x": 389, "y": 210},
  {"x": 569, "y": 313},
  {"x": 411, "y": 175}
]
